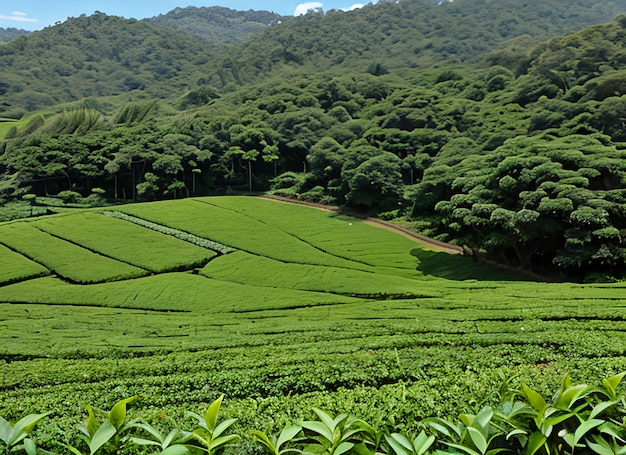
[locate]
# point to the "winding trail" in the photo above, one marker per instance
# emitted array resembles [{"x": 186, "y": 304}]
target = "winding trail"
[{"x": 426, "y": 242}]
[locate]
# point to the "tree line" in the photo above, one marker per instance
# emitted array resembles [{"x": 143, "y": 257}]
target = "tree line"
[{"x": 523, "y": 164}]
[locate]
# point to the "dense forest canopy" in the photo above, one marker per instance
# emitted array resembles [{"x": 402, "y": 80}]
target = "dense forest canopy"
[
  {"x": 218, "y": 25},
  {"x": 98, "y": 56},
  {"x": 443, "y": 113},
  {"x": 415, "y": 34}
]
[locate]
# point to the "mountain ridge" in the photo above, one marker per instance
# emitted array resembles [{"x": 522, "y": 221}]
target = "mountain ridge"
[
  {"x": 61, "y": 63},
  {"x": 7, "y": 34},
  {"x": 216, "y": 24}
]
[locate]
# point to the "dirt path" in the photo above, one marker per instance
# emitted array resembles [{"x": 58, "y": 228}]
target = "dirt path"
[{"x": 426, "y": 242}]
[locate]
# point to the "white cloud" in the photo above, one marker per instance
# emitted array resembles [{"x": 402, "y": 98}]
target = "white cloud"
[
  {"x": 356, "y": 6},
  {"x": 18, "y": 16},
  {"x": 304, "y": 8}
]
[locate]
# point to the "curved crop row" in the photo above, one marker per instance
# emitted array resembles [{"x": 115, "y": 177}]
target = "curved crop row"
[
  {"x": 182, "y": 235},
  {"x": 71, "y": 262}
]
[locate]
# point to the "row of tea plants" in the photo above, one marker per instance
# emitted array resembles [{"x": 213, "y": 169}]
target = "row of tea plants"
[{"x": 578, "y": 419}]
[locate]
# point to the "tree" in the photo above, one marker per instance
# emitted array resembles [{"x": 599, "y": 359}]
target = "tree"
[
  {"x": 250, "y": 156},
  {"x": 376, "y": 184},
  {"x": 325, "y": 158},
  {"x": 538, "y": 201},
  {"x": 120, "y": 161}
]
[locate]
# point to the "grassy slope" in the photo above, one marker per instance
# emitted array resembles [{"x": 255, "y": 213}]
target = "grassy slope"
[
  {"x": 283, "y": 348},
  {"x": 126, "y": 242}
]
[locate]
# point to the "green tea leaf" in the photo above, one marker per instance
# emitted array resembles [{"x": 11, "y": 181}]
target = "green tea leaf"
[
  {"x": 144, "y": 442},
  {"x": 117, "y": 415},
  {"x": 224, "y": 440},
  {"x": 319, "y": 428},
  {"x": 399, "y": 443},
  {"x": 535, "y": 442},
  {"x": 222, "y": 427},
  {"x": 422, "y": 443},
  {"x": 535, "y": 400},
  {"x": 23, "y": 427},
  {"x": 478, "y": 439},
  {"x": 463, "y": 448},
  {"x": 287, "y": 434},
  {"x": 612, "y": 383},
  {"x": 262, "y": 438},
  {"x": 211, "y": 414},
  {"x": 102, "y": 436},
  {"x": 601, "y": 448},
  {"x": 483, "y": 418},
  {"x": 175, "y": 450},
  {"x": 92, "y": 424},
  {"x": 6, "y": 431},
  {"x": 343, "y": 448},
  {"x": 30, "y": 447},
  {"x": 601, "y": 407},
  {"x": 568, "y": 396},
  {"x": 170, "y": 437},
  {"x": 442, "y": 426},
  {"x": 586, "y": 427}
]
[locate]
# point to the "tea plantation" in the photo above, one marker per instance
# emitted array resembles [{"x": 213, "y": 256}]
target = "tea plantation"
[{"x": 282, "y": 309}]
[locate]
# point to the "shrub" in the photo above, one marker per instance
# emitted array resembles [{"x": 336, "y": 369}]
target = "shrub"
[{"x": 578, "y": 418}]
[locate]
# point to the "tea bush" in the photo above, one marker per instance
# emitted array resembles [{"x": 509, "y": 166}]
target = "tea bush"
[
  {"x": 126, "y": 242},
  {"x": 71, "y": 262},
  {"x": 577, "y": 419}
]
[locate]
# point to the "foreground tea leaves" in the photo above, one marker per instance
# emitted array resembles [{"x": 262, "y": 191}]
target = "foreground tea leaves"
[
  {"x": 108, "y": 434},
  {"x": 11, "y": 436},
  {"x": 578, "y": 419},
  {"x": 209, "y": 432},
  {"x": 473, "y": 435},
  {"x": 402, "y": 445},
  {"x": 170, "y": 444},
  {"x": 273, "y": 444},
  {"x": 334, "y": 436}
]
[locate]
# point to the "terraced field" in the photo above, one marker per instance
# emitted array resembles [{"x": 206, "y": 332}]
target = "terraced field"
[{"x": 281, "y": 308}]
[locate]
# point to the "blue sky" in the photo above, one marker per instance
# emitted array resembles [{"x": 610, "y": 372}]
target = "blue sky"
[{"x": 37, "y": 14}]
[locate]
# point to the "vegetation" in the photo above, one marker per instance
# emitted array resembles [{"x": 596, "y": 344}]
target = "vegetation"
[
  {"x": 355, "y": 319},
  {"x": 97, "y": 56},
  {"x": 517, "y": 156},
  {"x": 64, "y": 258},
  {"x": 578, "y": 417},
  {"x": 218, "y": 25},
  {"x": 7, "y": 34},
  {"x": 103, "y": 235},
  {"x": 457, "y": 118}
]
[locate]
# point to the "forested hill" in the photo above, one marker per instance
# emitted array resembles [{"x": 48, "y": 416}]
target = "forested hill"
[
  {"x": 218, "y": 25},
  {"x": 415, "y": 34},
  {"x": 96, "y": 56},
  {"x": 102, "y": 56},
  {"x": 521, "y": 156},
  {"x": 7, "y": 34}
]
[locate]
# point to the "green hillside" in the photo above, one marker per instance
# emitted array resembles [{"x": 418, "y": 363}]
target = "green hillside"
[
  {"x": 218, "y": 25},
  {"x": 98, "y": 56},
  {"x": 224, "y": 255},
  {"x": 413, "y": 34},
  {"x": 319, "y": 310},
  {"x": 102, "y": 56},
  {"x": 513, "y": 151}
]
